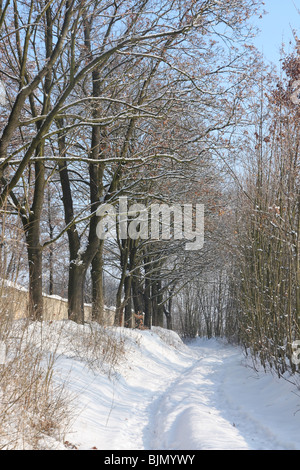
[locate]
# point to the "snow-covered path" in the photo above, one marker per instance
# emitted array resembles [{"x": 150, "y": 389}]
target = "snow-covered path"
[
  {"x": 195, "y": 397},
  {"x": 188, "y": 414},
  {"x": 220, "y": 404}
]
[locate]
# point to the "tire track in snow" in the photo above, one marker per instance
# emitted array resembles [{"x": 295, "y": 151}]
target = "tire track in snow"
[
  {"x": 152, "y": 431},
  {"x": 194, "y": 412}
]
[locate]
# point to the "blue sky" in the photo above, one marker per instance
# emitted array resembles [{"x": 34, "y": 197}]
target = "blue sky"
[{"x": 276, "y": 27}]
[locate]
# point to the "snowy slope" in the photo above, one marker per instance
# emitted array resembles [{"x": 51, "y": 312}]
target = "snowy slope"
[{"x": 170, "y": 396}]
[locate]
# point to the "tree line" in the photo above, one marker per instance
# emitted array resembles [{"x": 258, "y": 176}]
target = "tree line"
[
  {"x": 110, "y": 98},
  {"x": 160, "y": 102}
]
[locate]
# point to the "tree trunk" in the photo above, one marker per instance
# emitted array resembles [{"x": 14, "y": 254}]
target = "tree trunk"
[
  {"x": 35, "y": 283},
  {"x": 34, "y": 248},
  {"x": 32, "y": 230},
  {"x": 154, "y": 303},
  {"x": 128, "y": 302},
  {"x": 137, "y": 294},
  {"x": 51, "y": 249},
  {"x": 97, "y": 286},
  {"x": 157, "y": 302},
  {"x": 168, "y": 312},
  {"x": 169, "y": 320},
  {"x": 124, "y": 266},
  {"x": 147, "y": 296},
  {"x": 119, "y": 307},
  {"x": 75, "y": 293}
]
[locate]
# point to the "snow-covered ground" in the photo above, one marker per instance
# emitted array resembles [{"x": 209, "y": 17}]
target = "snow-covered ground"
[{"x": 167, "y": 395}]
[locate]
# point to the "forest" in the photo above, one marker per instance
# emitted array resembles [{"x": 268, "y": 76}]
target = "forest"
[{"x": 162, "y": 102}]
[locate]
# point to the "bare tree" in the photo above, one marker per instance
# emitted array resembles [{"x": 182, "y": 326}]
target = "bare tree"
[{"x": 80, "y": 74}]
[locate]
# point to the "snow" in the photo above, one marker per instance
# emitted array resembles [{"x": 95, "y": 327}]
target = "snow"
[
  {"x": 14, "y": 285},
  {"x": 167, "y": 395},
  {"x": 159, "y": 393}
]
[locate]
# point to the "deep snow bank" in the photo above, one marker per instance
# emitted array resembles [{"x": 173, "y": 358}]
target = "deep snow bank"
[
  {"x": 167, "y": 395},
  {"x": 147, "y": 390}
]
